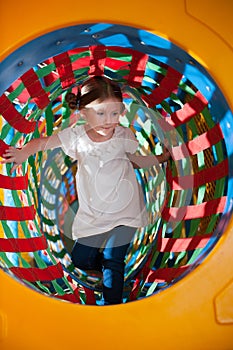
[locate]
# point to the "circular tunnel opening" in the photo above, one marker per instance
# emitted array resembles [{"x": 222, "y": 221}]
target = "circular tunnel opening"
[{"x": 169, "y": 96}]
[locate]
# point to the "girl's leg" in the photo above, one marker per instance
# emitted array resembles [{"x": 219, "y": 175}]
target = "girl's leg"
[
  {"x": 114, "y": 263},
  {"x": 86, "y": 253}
]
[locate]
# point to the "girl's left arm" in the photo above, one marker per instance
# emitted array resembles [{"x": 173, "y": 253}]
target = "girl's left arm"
[{"x": 144, "y": 162}]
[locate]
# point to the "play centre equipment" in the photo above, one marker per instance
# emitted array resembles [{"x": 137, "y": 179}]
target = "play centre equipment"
[{"x": 173, "y": 62}]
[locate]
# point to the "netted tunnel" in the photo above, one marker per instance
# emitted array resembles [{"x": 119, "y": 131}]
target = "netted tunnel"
[{"x": 168, "y": 95}]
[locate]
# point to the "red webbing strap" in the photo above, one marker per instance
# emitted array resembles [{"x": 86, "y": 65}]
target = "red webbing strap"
[
  {"x": 174, "y": 214},
  {"x": 177, "y": 245},
  {"x": 34, "y": 274},
  {"x": 135, "y": 290},
  {"x": 166, "y": 274},
  {"x": 116, "y": 64},
  {"x": 80, "y": 62},
  {"x": 16, "y": 245},
  {"x": 77, "y": 50},
  {"x": 90, "y": 296},
  {"x": 72, "y": 298},
  {"x": 200, "y": 143},
  {"x": 137, "y": 69},
  {"x": 97, "y": 60},
  {"x": 160, "y": 275},
  {"x": 198, "y": 179},
  {"x": 140, "y": 278},
  {"x": 17, "y": 214},
  {"x": 69, "y": 278},
  {"x": 189, "y": 110},
  {"x": 52, "y": 76},
  {"x": 14, "y": 118},
  {"x": 35, "y": 89},
  {"x": 64, "y": 69},
  {"x": 14, "y": 183},
  {"x": 166, "y": 87},
  {"x": 3, "y": 147},
  {"x": 23, "y": 96}
]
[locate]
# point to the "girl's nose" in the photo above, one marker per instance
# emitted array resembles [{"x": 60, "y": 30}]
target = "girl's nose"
[{"x": 108, "y": 118}]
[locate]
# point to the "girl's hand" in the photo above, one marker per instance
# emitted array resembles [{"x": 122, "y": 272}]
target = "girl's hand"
[{"x": 15, "y": 156}]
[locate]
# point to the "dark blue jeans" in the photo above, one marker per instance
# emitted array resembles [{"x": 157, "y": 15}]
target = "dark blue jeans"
[{"x": 105, "y": 252}]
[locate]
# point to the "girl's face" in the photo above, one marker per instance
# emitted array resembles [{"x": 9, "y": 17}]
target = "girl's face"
[{"x": 102, "y": 118}]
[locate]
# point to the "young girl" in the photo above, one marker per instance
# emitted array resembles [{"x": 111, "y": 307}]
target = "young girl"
[{"x": 111, "y": 203}]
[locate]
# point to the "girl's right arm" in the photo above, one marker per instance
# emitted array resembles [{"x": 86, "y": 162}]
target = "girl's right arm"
[{"x": 18, "y": 156}]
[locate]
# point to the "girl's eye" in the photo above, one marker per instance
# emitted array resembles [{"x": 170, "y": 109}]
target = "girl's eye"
[
  {"x": 100, "y": 113},
  {"x": 115, "y": 114}
]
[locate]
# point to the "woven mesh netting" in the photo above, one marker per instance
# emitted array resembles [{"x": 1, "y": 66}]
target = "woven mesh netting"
[{"x": 185, "y": 198}]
